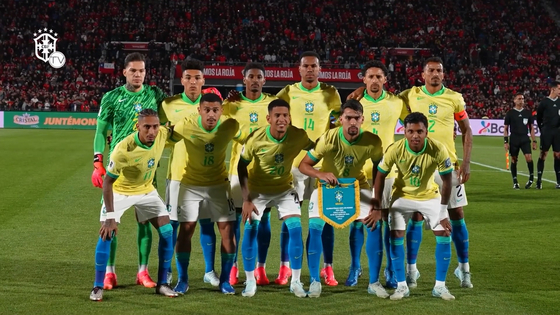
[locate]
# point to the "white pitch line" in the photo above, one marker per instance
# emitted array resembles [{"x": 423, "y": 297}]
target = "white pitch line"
[{"x": 504, "y": 171}]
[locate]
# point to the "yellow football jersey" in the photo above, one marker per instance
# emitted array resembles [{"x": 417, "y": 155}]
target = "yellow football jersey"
[
  {"x": 250, "y": 114},
  {"x": 134, "y": 164},
  {"x": 272, "y": 159},
  {"x": 311, "y": 109},
  {"x": 176, "y": 108},
  {"x": 441, "y": 108},
  {"x": 415, "y": 179},
  {"x": 380, "y": 117},
  {"x": 206, "y": 165},
  {"x": 345, "y": 159}
]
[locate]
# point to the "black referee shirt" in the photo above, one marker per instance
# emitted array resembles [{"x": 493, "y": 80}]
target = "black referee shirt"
[
  {"x": 519, "y": 122},
  {"x": 548, "y": 114}
]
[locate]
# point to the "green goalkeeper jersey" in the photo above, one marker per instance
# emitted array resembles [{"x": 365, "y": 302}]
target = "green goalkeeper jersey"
[{"x": 119, "y": 108}]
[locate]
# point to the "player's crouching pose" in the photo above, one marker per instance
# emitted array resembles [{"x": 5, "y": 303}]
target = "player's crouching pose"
[
  {"x": 205, "y": 187},
  {"x": 417, "y": 157},
  {"x": 268, "y": 184},
  {"x": 130, "y": 173},
  {"x": 344, "y": 151}
]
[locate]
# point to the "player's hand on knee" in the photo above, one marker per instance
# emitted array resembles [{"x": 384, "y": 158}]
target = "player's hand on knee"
[
  {"x": 247, "y": 211},
  {"x": 372, "y": 218},
  {"x": 357, "y": 94},
  {"x": 446, "y": 226},
  {"x": 108, "y": 229},
  {"x": 328, "y": 178},
  {"x": 233, "y": 96},
  {"x": 98, "y": 171}
]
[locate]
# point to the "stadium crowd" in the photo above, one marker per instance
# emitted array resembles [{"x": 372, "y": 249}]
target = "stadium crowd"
[{"x": 491, "y": 50}]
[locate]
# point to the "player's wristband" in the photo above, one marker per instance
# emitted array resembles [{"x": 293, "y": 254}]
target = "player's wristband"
[
  {"x": 442, "y": 212},
  {"x": 98, "y": 158},
  {"x": 506, "y": 140}
]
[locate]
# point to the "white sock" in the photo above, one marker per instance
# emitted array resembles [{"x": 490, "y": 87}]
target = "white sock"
[
  {"x": 142, "y": 268},
  {"x": 464, "y": 267},
  {"x": 250, "y": 275},
  {"x": 440, "y": 283},
  {"x": 110, "y": 269},
  {"x": 259, "y": 265},
  {"x": 296, "y": 274},
  {"x": 325, "y": 265},
  {"x": 285, "y": 263},
  {"x": 235, "y": 264},
  {"x": 402, "y": 284},
  {"x": 411, "y": 267}
]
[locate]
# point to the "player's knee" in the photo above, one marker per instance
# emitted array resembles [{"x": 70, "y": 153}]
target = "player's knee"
[
  {"x": 543, "y": 155},
  {"x": 293, "y": 223},
  {"x": 165, "y": 230},
  {"x": 557, "y": 155},
  {"x": 528, "y": 158},
  {"x": 456, "y": 213},
  {"x": 253, "y": 225},
  {"x": 417, "y": 216},
  {"x": 356, "y": 225},
  {"x": 316, "y": 224},
  {"x": 513, "y": 159}
]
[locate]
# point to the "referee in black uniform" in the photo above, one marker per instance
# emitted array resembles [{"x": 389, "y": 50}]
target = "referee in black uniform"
[
  {"x": 519, "y": 121},
  {"x": 548, "y": 120}
]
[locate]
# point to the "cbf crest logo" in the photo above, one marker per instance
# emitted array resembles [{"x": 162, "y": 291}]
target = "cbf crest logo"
[
  {"x": 375, "y": 117},
  {"x": 279, "y": 158},
  {"x": 253, "y": 117},
  {"x": 432, "y": 109},
  {"x": 348, "y": 160},
  {"x": 137, "y": 107},
  {"x": 309, "y": 107},
  {"x": 415, "y": 170},
  {"x": 45, "y": 48},
  {"x": 338, "y": 197},
  {"x": 209, "y": 147},
  {"x": 151, "y": 163}
]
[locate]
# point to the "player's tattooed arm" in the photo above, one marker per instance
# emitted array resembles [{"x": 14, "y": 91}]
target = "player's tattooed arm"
[{"x": 467, "y": 136}]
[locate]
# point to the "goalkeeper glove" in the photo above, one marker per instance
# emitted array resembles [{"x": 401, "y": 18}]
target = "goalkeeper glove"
[{"x": 98, "y": 171}]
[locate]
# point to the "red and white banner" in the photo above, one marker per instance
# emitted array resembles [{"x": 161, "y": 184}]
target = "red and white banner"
[
  {"x": 106, "y": 67},
  {"x": 138, "y": 46},
  {"x": 279, "y": 74}
]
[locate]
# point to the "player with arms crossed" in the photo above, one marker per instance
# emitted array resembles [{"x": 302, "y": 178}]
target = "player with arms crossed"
[
  {"x": 120, "y": 108},
  {"x": 205, "y": 187},
  {"x": 548, "y": 120},
  {"x": 382, "y": 111},
  {"x": 312, "y": 103},
  {"x": 417, "y": 157},
  {"x": 442, "y": 107},
  {"x": 128, "y": 183},
  {"x": 268, "y": 183},
  {"x": 518, "y": 120},
  {"x": 344, "y": 151},
  {"x": 250, "y": 111},
  {"x": 175, "y": 109}
]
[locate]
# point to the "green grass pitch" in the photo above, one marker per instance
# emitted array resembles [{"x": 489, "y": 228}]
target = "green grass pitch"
[{"x": 49, "y": 223}]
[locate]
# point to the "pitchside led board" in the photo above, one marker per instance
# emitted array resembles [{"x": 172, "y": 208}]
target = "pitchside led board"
[{"x": 77, "y": 120}]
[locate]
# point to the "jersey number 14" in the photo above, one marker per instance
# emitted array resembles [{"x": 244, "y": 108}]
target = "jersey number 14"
[{"x": 308, "y": 124}]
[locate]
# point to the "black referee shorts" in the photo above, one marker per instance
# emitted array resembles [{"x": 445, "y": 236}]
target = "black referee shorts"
[
  {"x": 549, "y": 139},
  {"x": 519, "y": 143}
]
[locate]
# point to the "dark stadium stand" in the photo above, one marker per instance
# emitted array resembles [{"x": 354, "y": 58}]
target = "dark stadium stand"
[{"x": 491, "y": 49}]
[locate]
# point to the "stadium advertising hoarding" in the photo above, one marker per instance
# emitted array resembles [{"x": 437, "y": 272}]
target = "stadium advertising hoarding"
[
  {"x": 278, "y": 74},
  {"x": 73, "y": 120},
  {"x": 480, "y": 127},
  {"x": 49, "y": 120}
]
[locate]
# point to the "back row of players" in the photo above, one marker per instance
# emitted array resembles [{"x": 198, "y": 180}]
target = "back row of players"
[{"x": 260, "y": 174}]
